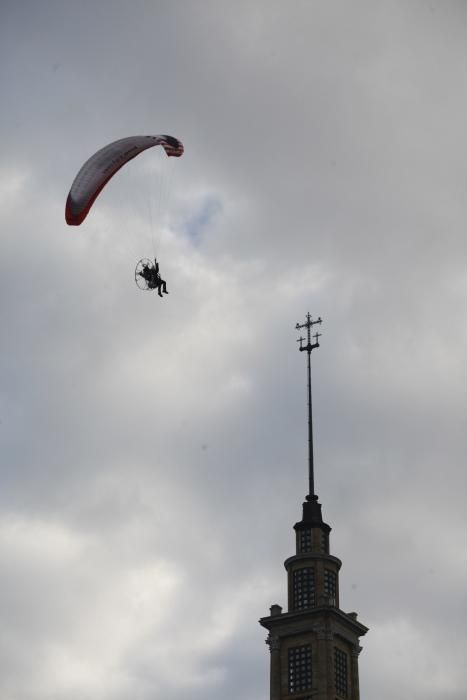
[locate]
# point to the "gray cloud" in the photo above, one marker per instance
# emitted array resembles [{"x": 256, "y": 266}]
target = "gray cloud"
[{"x": 154, "y": 454}]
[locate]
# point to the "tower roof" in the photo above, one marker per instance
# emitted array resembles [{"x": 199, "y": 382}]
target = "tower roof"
[{"x": 312, "y": 516}]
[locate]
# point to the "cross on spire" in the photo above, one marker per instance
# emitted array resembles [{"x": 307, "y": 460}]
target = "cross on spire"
[{"x": 309, "y": 323}]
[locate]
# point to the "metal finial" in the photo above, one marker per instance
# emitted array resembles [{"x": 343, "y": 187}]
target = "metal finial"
[{"x": 309, "y": 347}]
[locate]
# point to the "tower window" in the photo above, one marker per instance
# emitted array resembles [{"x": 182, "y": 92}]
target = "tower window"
[
  {"x": 304, "y": 540},
  {"x": 340, "y": 672},
  {"x": 303, "y": 588},
  {"x": 324, "y": 542},
  {"x": 300, "y": 669},
  {"x": 330, "y": 583}
]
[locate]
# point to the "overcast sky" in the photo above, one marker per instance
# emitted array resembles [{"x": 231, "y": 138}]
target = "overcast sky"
[{"x": 153, "y": 451}]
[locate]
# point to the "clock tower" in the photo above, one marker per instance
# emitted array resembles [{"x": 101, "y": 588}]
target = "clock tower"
[{"x": 314, "y": 644}]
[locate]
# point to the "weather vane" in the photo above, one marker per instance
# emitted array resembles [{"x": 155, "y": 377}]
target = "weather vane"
[{"x": 309, "y": 347}]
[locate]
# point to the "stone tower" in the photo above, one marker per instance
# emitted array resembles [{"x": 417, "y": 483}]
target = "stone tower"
[{"x": 314, "y": 645}]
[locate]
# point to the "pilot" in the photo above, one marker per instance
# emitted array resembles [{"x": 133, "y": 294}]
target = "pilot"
[{"x": 156, "y": 280}]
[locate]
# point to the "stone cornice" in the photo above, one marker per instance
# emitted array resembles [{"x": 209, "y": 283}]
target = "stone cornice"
[
  {"x": 308, "y": 556},
  {"x": 311, "y": 621}
]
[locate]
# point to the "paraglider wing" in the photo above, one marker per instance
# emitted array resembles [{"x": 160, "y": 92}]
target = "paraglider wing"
[{"x": 103, "y": 165}]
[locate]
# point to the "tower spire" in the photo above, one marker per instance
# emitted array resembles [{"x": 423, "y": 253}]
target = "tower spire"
[
  {"x": 309, "y": 323},
  {"x": 314, "y": 644}
]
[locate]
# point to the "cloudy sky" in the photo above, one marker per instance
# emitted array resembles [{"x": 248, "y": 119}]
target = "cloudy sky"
[{"x": 153, "y": 452}]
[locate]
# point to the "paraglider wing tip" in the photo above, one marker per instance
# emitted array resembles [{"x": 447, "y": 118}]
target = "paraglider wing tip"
[
  {"x": 172, "y": 146},
  {"x": 75, "y": 214},
  {"x": 69, "y": 217}
]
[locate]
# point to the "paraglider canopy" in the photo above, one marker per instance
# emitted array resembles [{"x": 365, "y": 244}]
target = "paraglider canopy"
[{"x": 102, "y": 166}]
